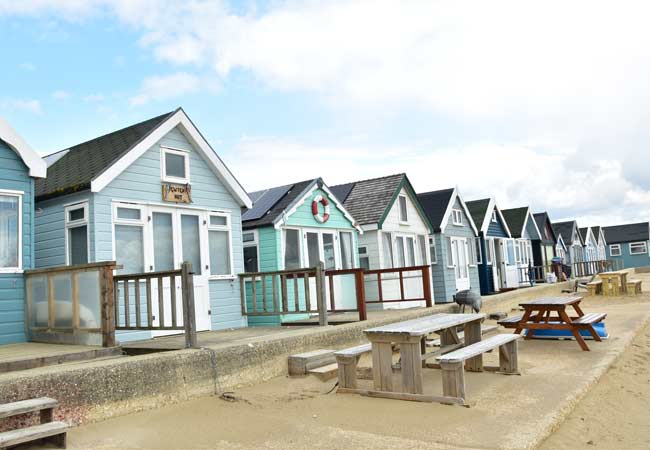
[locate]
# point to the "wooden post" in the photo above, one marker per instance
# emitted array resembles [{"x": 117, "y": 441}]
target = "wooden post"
[
  {"x": 242, "y": 294},
  {"x": 426, "y": 286},
  {"x": 107, "y": 305},
  {"x": 321, "y": 304},
  {"x": 361, "y": 294},
  {"x": 189, "y": 317}
]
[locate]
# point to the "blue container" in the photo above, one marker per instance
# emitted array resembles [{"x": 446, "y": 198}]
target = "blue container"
[{"x": 563, "y": 334}]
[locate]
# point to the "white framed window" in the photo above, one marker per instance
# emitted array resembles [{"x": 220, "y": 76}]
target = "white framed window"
[
  {"x": 489, "y": 251},
  {"x": 364, "y": 259},
  {"x": 494, "y": 217},
  {"x": 128, "y": 230},
  {"x": 175, "y": 165},
  {"x": 457, "y": 216},
  {"x": 403, "y": 210},
  {"x": 76, "y": 234},
  {"x": 518, "y": 252},
  {"x": 292, "y": 250},
  {"x": 432, "y": 251},
  {"x": 251, "y": 251},
  {"x": 510, "y": 252},
  {"x": 422, "y": 250},
  {"x": 478, "y": 256},
  {"x": 346, "y": 242},
  {"x": 615, "y": 249},
  {"x": 11, "y": 224},
  {"x": 387, "y": 250},
  {"x": 450, "y": 254},
  {"x": 220, "y": 245},
  {"x": 638, "y": 248}
]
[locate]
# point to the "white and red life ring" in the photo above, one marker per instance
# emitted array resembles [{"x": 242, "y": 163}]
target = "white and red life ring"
[{"x": 319, "y": 199}]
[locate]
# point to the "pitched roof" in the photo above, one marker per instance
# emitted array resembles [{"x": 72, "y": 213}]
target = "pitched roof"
[
  {"x": 596, "y": 231},
  {"x": 271, "y": 203},
  {"x": 515, "y": 218},
  {"x": 35, "y": 164},
  {"x": 435, "y": 205},
  {"x": 478, "y": 210},
  {"x": 368, "y": 200},
  {"x": 81, "y": 163},
  {"x": 565, "y": 229},
  {"x": 584, "y": 232},
  {"x": 630, "y": 232},
  {"x": 541, "y": 219}
]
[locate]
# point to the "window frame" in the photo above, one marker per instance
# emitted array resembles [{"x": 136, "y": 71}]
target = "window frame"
[
  {"x": 228, "y": 229},
  {"x": 70, "y": 224},
  {"x": 477, "y": 251},
  {"x": 494, "y": 217},
  {"x": 163, "y": 165},
  {"x": 284, "y": 246},
  {"x": 19, "y": 229},
  {"x": 130, "y": 222},
  {"x": 363, "y": 255},
  {"x": 457, "y": 217},
  {"x": 645, "y": 248},
  {"x": 615, "y": 246},
  {"x": 389, "y": 236},
  {"x": 340, "y": 249},
  {"x": 404, "y": 220},
  {"x": 249, "y": 244},
  {"x": 432, "y": 244}
]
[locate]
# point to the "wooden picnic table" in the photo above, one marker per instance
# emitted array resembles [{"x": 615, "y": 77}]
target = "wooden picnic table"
[
  {"x": 614, "y": 283},
  {"x": 537, "y": 316},
  {"x": 411, "y": 336}
]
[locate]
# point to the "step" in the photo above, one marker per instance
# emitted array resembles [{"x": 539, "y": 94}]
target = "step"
[
  {"x": 58, "y": 358},
  {"x": 44, "y": 430},
  {"x": 301, "y": 363},
  {"x": 27, "y": 406},
  {"x": 325, "y": 373},
  {"x": 461, "y": 335}
]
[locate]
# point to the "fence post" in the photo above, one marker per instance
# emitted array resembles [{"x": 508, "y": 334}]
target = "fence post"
[
  {"x": 189, "y": 317},
  {"x": 359, "y": 283},
  {"x": 320, "y": 294},
  {"x": 107, "y": 305},
  {"x": 426, "y": 285}
]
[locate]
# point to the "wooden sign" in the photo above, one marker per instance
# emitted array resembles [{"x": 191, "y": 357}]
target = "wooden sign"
[{"x": 177, "y": 193}]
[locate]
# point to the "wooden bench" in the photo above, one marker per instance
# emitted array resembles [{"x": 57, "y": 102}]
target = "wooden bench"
[
  {"x": 54, "y": 432},
  {"x": 347, "y": 361},
  {"x": 595, "y": 287},
  {"x": 453, "y": 373},
  {"x": 634, "y": 287}
]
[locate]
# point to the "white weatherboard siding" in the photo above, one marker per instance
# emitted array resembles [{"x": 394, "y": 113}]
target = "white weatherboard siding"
[{"x": 141, "y": 183}]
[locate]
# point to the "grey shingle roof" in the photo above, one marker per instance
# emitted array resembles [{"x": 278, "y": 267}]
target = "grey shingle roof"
[
  {"x": 583, "y": 233},
  {"x": 630, "y": 232},
  {"x": 564, "y": 229},
  {"x": 515, "y": 218},
  {"x": 541, "y": 219},
  {"x": 367, "y": 200},
  {"x": 275, "y": 209},
  {"x": 435, "y": 205},
  {"x": 74, "y": 171},
  {"x": 478, "y": 210},
  {"x": 596, "y": 231}
]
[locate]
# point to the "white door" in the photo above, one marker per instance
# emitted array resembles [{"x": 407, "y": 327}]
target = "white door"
[
  {"x": 495, "y": 264},
  {"x": 460, "y": 259},
  {"x": 500, "y": 263}
]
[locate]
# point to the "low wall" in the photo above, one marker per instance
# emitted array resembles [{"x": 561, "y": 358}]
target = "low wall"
[{"x": 98, "y": 390}]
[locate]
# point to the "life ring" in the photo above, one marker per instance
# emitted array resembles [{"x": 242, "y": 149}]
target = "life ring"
[{"x": 319, "y": 199}]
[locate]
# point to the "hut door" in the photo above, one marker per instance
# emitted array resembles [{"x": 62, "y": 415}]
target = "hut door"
[{"x": 459, "y": 255}]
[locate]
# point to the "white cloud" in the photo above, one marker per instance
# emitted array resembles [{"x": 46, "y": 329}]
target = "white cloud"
[
  {"x": 60, "y": 95},
  {"x": 27, "y": 66},
  {"x": 27, "y": 105},
  {"x": 94, "y": 98},
  {"x": 165, "y": 87}
]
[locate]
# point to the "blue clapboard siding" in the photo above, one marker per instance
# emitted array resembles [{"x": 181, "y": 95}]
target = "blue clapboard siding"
[
  {"x": 141, "y": 182},
  {"x": 14, "y": 176},
  {"x": 486, "y": 274},
  {"x": 627, "y": 260}
]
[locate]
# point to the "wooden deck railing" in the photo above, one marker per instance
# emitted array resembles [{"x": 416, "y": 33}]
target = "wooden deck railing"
[
  {"x": 588, "y": 268},
  {"x": 135, "y": 304},
  {"x": 383, "y": 275}
]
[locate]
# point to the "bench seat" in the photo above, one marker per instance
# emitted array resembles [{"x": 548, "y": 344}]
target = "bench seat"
[
  {"x": 634, "y": 287},
  {"x": 595, "y": 287},
  {"x": 478, "y": 348},
  {"x": 590, "y": 319},
  {"x": 54, "y": 430},
  {"x": 354, "y": 351},
  {"x": 27, "y": 406},
  {"x": 347, "y": 361}
]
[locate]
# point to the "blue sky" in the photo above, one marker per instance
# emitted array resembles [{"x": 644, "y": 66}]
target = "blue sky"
[{"x": 540, "y": 104}]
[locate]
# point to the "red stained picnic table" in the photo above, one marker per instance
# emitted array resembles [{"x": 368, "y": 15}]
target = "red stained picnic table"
[{"x": 538, "y": 316}]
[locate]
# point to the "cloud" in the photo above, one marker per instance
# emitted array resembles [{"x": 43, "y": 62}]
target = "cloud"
[
  {"x": 60, "y": 95},
  {"x": 27, "y": 66},
  {"x": 165, "y": 87},
  {"x": 31, "y": 106},
  {"x": 94, "y": 98}
]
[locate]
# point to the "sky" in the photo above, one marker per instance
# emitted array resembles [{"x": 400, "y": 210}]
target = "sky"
[{"x": 534, "y": 103}]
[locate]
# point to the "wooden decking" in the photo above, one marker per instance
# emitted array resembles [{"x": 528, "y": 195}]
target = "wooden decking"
[{"x": 30, "y": 355}]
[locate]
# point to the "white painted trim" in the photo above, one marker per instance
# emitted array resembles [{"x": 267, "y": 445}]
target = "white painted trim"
[
  {"x": 37, "y": 165},
  {"x": 163, "y": 165},
  {"x": 11, "y": 192},
  {"x": 450, "y": 206},
  {"x": 19, "y": 243},
  {"x": 180, "y": 119},
  {"x": 228, "y": 229},
  {"x": 254, "y": 243},
  {"x": 399, "y": 209},
  {"x": 76, "y": 224},
  {"x": 645, "y": 246},
  {"x": 620, "y": 250}
]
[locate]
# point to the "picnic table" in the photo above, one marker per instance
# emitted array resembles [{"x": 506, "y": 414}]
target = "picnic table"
[
  {"x": 411, "y": 336},
  {"x": 614, "y": 283},
  {"x": 537, "y": 316}
]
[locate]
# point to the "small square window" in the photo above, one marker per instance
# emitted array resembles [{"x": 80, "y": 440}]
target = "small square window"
[
  {"x": 457, "y": 217},
  {"x": 175, "y": 165},
  {"x": 403, "y": 211},
  {"x": 638, "y": 248},
  {"x": 615, "y": 250},
  {"x": 128, "y": 213},
  {"x": 494, "y": 216},
  {"x": 76, "y": 214},
  {"x": 219, "y": 221},
  {"x": 248, "y": 237}
]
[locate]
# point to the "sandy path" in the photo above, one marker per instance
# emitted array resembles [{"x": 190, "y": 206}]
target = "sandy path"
[{"x": 615, "y": 414}]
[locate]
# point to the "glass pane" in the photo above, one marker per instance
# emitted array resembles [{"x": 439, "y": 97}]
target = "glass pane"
[
  {"x": 399, "y": 250},
  {"x": 128, "y": 213},
  {"x": 403, "y": 216},
  {"x": 346, "y": 250},
  {"x": 38, "y": 294},
  {"x": 219, "y": 221},
  {"x": 422, "y": 243},
  {"x": 78, "y": 245},
  {"x": 129, "y": 249},
  {"x": 62, "y": 300},
  {"x": 313, "y": 249},
  {"x": 511, "y": 252},
  {"x": 250, "y": 259},
  {"x": 8, "y": 231},
  {"x": 248, "y": 237},
  {"x": 163, "y": 243},
  {"x": 410, "y": 251},
  {"x": 219, "y": 252},
  {"x": 364, "y": 263},
  {"x": 76, "y": 214},
  {"x": 175, "y": 165},
  {"x": 191, "y": 242},
  {"x": 388, "y": 250},
  {"x": 328, "y": 251},
  {"x": 291, "y": 249},
  {"x": 89, "y": 303}
]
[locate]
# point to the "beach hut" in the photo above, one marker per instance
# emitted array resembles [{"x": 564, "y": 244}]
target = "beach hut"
[
  {"x": 601, "y": 242},
  {"x": 628, "y": 244},
  {"x": 573, "y": 242},
  {"x": 20, "y": 165},
  {"x": 590, "y": 244},
  {"x": 395, "y": 231},
  {"x": 497, "y": 269},
  {"x": 454, "y": 244},
  {"x": 523, "y": 229},
  {"x": 148, "y": 196},
  {"x": 544, "y": 251},
  {"x": 300, "y": 225}
]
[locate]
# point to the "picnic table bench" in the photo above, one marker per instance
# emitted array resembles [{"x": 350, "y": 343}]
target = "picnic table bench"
[
  {"x": 614, "y": 283},
  {"x": 537, "y": 316}
]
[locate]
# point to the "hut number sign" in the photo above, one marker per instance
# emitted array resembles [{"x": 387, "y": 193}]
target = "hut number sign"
[{"x": 177, "y": 193}]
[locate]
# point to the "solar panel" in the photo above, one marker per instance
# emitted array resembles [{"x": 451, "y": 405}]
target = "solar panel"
[{"x": 265, "y": 201}]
